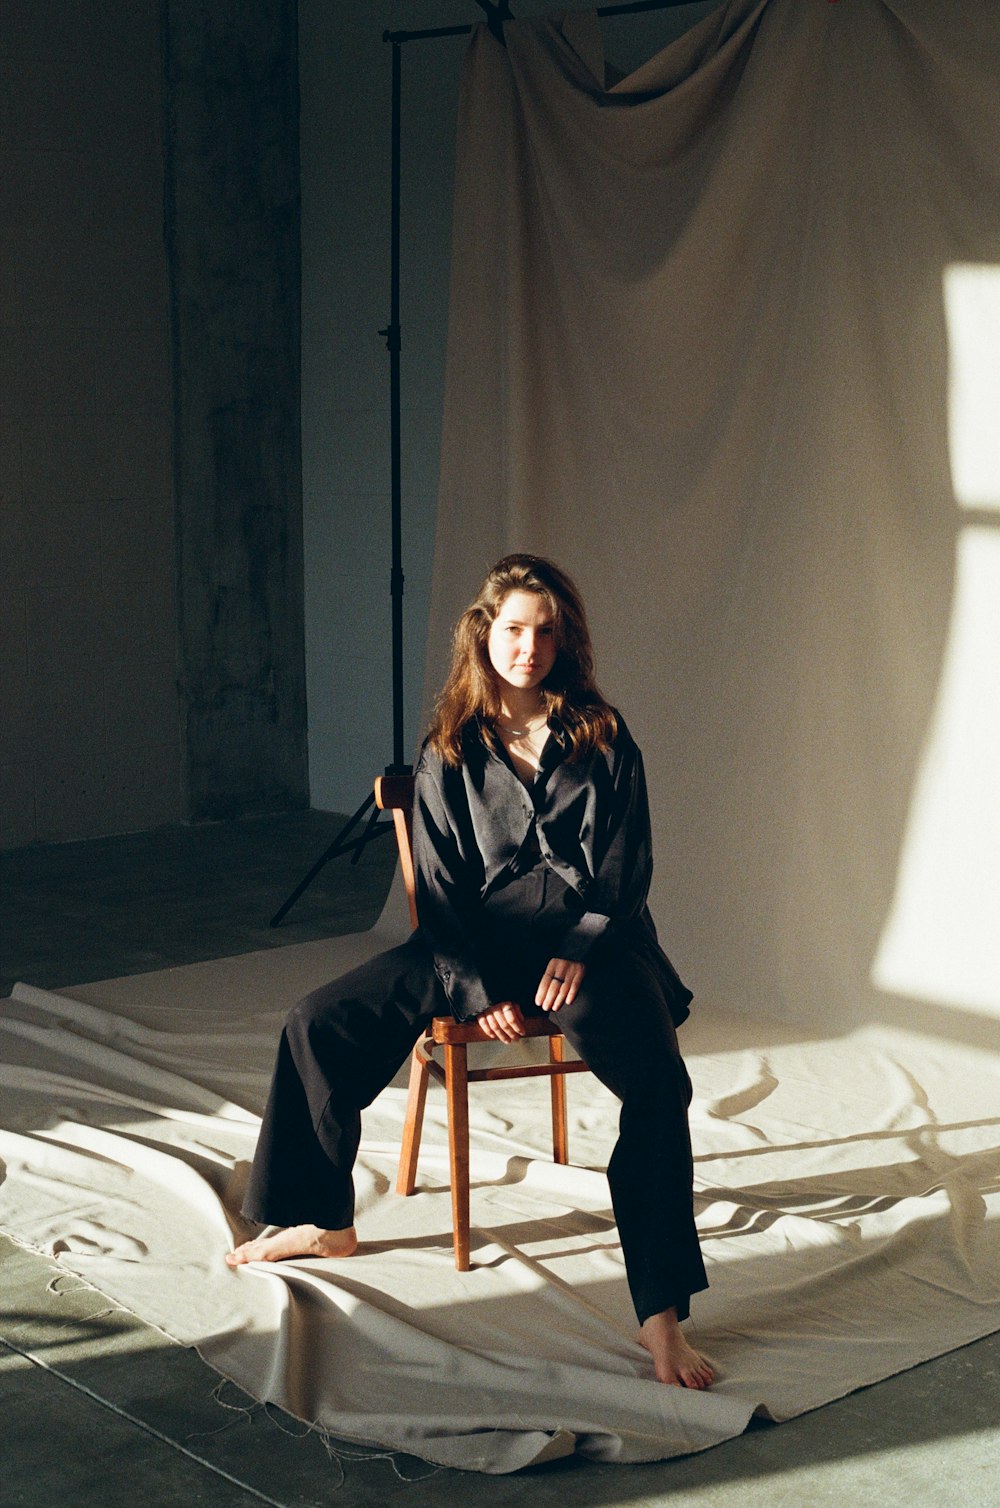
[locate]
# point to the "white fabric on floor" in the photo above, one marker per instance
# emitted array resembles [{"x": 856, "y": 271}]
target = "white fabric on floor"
[{"x": 848, "y": 1195}]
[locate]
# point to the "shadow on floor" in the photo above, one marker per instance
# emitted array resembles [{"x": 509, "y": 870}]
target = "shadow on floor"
[{"x": 71, "y": 913}]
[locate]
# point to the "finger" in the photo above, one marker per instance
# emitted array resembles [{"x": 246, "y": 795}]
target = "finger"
[
  {"x": 515, "y": 1021},
  {"x": 557, "y": 996},
  {"x": 509, "y": 1022},
  {"x": 549, "y": 987},
  {"x": 501, "y": 1030},
  {"x": 554, "y": 985}
]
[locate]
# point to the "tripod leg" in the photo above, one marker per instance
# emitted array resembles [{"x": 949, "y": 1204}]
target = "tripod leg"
[
  {"x": 367, "y": 835},
  {"x": 335, "y": 848}
]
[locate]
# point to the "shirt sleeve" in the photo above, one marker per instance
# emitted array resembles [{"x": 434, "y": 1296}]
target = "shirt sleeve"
[
  {"x": 623, "y": 856},
  {"x": 449, "y": 884}
]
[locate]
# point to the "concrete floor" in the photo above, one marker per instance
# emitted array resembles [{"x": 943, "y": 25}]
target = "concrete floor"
[
  {"x": 74, "y": 912},
  {"x": 98, "y": 1408}
]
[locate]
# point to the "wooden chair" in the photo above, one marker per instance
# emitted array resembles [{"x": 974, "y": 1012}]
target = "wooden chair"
[{"x": 395, "y": 793}]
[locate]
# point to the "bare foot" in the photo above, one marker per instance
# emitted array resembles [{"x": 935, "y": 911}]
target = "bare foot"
[
  {"x": 674, "y": 1360},
  {"x": 296, "y": 1241}
]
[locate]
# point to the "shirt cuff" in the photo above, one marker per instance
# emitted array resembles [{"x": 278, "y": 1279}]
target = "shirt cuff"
[
  {"x": 466, "y": 992},
  {"x": 577, "y": 941}
]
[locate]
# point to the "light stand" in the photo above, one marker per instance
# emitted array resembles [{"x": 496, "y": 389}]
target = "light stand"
[
  {"x": 343, "y": 843},
  {"x": 496, "y": 12}
]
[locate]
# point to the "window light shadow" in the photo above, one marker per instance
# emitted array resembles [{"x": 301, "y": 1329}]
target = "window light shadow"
[{"x": 941, "y": 942}]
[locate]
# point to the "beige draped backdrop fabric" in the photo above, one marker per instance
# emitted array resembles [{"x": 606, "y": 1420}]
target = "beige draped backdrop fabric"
[{"x": 699, "y": 352}]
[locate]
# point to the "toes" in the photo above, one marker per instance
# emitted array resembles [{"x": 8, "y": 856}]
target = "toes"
[
  {"x": 241, "y": 1255},
  {"x": 697, "y": 1375}
]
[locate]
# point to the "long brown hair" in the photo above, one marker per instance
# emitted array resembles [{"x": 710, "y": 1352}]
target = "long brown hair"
[{"x": 569, "y": 691}]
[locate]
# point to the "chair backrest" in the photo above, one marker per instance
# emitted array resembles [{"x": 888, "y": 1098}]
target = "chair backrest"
[{"x": 394, "y": 793}]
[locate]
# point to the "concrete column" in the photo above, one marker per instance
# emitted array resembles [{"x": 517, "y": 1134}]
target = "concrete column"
[{"x": 232, "y": 231}]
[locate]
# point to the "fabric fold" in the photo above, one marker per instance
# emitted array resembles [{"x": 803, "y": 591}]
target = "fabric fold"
[{"x": 846, "y": 1195}]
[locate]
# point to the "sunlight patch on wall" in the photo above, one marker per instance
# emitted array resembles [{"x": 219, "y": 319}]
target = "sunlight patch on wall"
[
  {"x": 942, "y": 939},
  {"x": 972, "y": 311}
]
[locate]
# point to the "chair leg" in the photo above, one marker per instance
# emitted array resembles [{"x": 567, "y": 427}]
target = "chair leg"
[
  {"x": 416, "y": 1099},
  {"x": 560, "y": 1122},
  {"x": 456, "y": 1070}
]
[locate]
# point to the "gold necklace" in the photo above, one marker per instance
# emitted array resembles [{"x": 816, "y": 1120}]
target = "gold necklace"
[{"x": 521, "y": 732}]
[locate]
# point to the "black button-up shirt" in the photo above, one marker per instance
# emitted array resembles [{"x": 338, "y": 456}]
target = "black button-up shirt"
[{"x": 590, "y": 819}]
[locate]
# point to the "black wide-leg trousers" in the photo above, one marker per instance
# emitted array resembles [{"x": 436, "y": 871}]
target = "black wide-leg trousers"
[{"x": 344, "y": 1043}]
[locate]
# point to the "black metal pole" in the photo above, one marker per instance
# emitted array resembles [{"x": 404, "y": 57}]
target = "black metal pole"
[
  {"x": 373, "y": 828},
  {"x": 394, "y": 343},
  {"x": 431, "y": 33}
]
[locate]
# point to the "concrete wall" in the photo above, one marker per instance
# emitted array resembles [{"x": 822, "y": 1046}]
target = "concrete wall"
[
  {"x": 152, "y": 662},
  {"x": 88, "y": 730},
  {"x": 232, "y": 227},
  {"x": 345, "y": 96}
]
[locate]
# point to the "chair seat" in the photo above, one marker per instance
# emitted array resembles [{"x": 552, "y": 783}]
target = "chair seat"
[{"x": 445, "y": 1029}]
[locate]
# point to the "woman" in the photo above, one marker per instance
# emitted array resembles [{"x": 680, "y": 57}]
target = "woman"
[{"x": 532, "y": 852}]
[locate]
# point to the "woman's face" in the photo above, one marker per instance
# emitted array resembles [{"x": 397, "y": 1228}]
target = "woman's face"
[{"x": 522, "y": 641}]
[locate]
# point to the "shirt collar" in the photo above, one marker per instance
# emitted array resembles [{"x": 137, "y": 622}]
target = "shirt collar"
[{"x": 553, "y": 753}]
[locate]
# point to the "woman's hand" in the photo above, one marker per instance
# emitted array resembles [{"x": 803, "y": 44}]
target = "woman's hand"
[
  {"x": 559, "y": 983},
  {"x": 503, "y": 1022}
]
